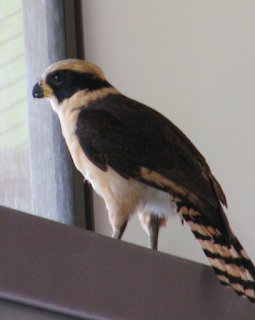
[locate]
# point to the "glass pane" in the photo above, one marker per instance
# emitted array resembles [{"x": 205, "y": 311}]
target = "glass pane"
[{"x": 15, "y": 175}]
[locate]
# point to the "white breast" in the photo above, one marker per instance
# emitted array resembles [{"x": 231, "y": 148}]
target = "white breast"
[{"x": 123, "y": 197}]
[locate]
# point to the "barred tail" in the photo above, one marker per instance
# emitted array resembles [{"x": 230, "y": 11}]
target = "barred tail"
[{"x": 230, "y": 261}]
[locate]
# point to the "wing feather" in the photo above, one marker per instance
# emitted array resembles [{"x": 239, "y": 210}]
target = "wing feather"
[{"x": 140, "y": 143}]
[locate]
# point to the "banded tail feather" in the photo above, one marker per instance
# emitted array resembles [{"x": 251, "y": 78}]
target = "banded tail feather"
[{"x": 228, "y": 258}]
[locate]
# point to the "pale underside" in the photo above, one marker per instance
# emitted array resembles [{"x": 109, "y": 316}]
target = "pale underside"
[{"x": 123, "y": 197}]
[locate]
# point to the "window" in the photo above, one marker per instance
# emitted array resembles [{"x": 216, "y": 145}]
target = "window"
[
  {"x": 15, "y": 175},
  {"x": 36, "y": 171}
]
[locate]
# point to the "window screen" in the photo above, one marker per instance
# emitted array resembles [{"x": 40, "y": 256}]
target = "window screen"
[{"x": 15, "y": 175}]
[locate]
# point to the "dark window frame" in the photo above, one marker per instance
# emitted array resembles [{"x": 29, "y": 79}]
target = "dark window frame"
[
  {"x": 58, "y": 36},
  {"x": 51, "y": 164}
]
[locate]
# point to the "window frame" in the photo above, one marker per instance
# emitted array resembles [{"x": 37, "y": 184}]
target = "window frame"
[{"x": 51, "y": 164}]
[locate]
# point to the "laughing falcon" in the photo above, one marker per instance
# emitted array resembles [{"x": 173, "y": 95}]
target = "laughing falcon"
[{"x": 140, "y": 162}]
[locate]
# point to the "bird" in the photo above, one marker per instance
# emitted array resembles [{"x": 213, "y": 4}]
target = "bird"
[{"x": 140, "y": 163}]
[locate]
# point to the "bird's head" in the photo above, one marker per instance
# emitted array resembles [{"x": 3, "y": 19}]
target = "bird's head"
[{"x": 65, "y": 78}]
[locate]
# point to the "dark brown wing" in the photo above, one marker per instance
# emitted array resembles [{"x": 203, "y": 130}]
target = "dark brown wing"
[{"x": 138, "y": 142}]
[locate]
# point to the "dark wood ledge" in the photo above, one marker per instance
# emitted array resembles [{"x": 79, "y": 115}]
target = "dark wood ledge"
[{"x": 78, "y": 273}]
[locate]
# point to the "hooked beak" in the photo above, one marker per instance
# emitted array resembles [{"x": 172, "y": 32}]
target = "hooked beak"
[{"x": 41, "y": 90}]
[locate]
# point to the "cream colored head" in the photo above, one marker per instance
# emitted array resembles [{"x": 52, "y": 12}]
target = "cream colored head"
[
  {"x": 74, "y": 65},
  {"x": 63, "y": 79}
]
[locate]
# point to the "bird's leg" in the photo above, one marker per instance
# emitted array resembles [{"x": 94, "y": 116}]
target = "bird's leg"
[
  {"x": 153, "y": 228},
  {"x": 117, "y": 234}
]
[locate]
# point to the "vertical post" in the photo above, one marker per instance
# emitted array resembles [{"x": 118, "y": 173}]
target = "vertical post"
[
  {"x": 80, "y": 54},
  {"x": 51, "y": 165}
]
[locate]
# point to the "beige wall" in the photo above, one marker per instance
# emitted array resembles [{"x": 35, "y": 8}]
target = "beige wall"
[{"x": 194, "y": 61}]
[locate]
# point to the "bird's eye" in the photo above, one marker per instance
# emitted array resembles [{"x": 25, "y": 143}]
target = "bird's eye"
[{"x": 58, "y": 79}]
